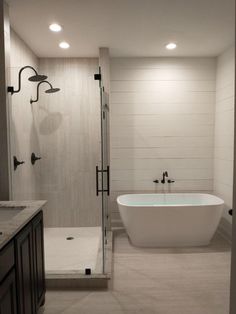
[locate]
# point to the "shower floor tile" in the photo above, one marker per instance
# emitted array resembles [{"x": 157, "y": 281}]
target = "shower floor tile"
[{"x": 83, "y": 251}]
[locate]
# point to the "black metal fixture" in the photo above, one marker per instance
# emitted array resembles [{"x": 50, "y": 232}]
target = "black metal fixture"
[
  {"x": 230, "y": 212},
  {"x": 17, "y": 163},
  {"x": 47, "y": 91},
  {"x": 87, "y": 271},
  {"x": 35, "y": 78},
  {"x": 170, "y": 181},
  {"x": 107, "y": 171},
  {"x": 156, "y": 181},
  {"x": 34, "y": 158},
  {"x": 164, "y": 175},
  {"x": 98, "y": 76}
]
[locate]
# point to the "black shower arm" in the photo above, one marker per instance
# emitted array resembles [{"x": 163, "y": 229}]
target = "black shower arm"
[
  {"x": 37, "y": 98},
  {"x": 19, "y": 78}
]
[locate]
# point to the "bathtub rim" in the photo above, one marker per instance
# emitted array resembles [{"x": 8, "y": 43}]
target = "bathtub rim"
[{"x": 219, "y": 201}]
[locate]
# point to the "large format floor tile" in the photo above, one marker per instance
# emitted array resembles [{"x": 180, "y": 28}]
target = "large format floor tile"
[{"x": 156, "y": 281}]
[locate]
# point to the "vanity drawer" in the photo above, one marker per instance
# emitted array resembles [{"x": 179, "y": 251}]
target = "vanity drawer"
[{"x": 7, "y": 260}]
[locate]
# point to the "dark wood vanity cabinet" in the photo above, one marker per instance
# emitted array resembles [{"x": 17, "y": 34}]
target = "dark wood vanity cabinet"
[
  {"x": 25, "y": 273},
  {"x": 8, "y": 301},
  {"x": 28, "y": 271},
  {"x": 8, "y": 298},
  {"x": 38, "y": 257}
]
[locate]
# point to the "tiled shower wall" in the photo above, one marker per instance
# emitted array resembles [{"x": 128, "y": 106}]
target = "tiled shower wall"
[
  {"x": 69, "y": 134},
  {"x": 23, "y": 121},
  {"x": 224, "y": 128},
  {"x": 62, "y": 128},
  {"x": 162, "y": 118}
]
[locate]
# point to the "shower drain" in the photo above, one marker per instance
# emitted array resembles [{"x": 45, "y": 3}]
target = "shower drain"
[{"x": 69, "y": 238}]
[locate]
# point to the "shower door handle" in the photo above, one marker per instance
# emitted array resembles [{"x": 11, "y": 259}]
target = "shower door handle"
[
  {"x": 97, "y": 181},
  {"x": 108, "y": 180}
]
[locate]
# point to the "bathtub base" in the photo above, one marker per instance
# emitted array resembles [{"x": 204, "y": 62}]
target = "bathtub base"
[{"x": 182, "y": 244}]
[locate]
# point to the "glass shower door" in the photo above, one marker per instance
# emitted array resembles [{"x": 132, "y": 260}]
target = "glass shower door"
[
  {"x": 103, "y": 174},
  {"x": 105, "y": 159}
]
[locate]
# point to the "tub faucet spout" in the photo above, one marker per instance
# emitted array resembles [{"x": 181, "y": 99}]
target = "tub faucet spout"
[{"x": 164, "y": 175}]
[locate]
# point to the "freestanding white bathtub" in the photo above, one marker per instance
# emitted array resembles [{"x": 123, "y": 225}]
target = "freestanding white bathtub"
[{"x": 170, "y": 220}]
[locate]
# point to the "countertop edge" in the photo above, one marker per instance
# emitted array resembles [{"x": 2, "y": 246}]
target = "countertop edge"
[{"x": 10, "y": 228}]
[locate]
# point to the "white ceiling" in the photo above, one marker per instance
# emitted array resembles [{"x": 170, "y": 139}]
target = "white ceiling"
[{"x": 127, "y": 27}]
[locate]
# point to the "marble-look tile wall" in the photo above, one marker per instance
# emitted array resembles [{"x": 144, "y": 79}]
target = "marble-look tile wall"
[
  {"x": 23, "y": 120},
  {"x": 69, "y": 137},
  {"x": 63, "y": 129}
]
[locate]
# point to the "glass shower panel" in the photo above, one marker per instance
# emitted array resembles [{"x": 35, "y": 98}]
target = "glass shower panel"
[
  {"x": 103, "y": 174},
  {"x": 105, "y": 168}
]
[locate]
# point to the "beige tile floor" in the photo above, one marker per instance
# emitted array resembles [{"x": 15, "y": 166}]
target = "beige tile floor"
[{"x": 160, "y": 281}]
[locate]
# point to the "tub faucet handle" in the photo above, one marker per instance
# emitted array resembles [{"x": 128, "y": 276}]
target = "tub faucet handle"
[
  {"x": 170, "y": 181},
  {"x": 164, "y": 175},
  {"x": 156, "y": 181}
]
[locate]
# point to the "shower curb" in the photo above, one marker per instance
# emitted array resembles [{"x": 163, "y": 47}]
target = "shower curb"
[{"x": 80, "y": 281}]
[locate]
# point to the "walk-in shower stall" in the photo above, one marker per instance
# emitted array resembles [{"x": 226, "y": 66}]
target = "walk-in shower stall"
[{"x": 67, "y": 133}]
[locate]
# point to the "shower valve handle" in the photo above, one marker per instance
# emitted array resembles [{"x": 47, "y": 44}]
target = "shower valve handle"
[
  {"x": 170, "y": 181},
  {"x": 17, "y": 162},
  {"x": 156, "y": 181},
  {"x": 34, "y": 158}
]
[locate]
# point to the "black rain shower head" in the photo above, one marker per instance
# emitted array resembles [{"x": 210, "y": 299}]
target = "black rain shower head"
[
  {"x": 52, "y": 90},
  {"x": 48, "y": 91},
  {"x": 35, "y": 78}
]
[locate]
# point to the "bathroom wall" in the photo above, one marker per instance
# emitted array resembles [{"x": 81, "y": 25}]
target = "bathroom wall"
[
  {"x": 24, "y": 138},
  {"x": 63, "y": 129},
  {"x": 224, "y": 130},
  {"x": 69, "y": 136},
  {"x": 162, "y": 118},
  {"x": 5, "y": 181}
]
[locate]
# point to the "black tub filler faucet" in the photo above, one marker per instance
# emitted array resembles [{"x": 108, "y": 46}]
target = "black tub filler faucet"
[{"x": 164, "y": 175}]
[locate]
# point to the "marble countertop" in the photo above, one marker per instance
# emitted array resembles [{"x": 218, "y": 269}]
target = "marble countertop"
[{"x": 9, "y": 228}]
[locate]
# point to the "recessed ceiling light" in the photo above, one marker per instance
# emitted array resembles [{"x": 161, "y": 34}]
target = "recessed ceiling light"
[
  {"x": 64, "y": 45},
  {"x": 171, "y": 46},
  {"x": 55, "y": 27}
]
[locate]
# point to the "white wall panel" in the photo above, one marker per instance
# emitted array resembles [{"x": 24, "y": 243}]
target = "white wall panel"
[
  {"x": 162, "y": 118},
  {"x": 224, "y": 129}
]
